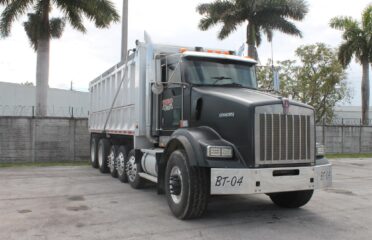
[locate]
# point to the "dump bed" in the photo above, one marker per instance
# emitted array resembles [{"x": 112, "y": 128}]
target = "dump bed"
[{"x": 125, "y": 113}]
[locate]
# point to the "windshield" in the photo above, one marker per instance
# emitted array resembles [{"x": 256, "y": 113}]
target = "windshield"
[{"x": 219, "y": 72}]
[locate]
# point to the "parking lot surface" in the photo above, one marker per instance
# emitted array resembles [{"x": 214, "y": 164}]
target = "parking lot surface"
[{"x": 81, "y": 203}]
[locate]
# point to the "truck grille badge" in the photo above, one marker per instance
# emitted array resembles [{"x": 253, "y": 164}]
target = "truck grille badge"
[{"x": 285, "y": 102}]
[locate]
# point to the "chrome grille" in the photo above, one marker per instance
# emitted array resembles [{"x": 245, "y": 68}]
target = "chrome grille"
[{"x": 284, "y": 138}]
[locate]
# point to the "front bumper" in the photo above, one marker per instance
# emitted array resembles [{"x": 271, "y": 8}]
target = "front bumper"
[{"x": 270, "y": 180}]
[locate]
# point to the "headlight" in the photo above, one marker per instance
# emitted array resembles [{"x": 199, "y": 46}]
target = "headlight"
[
  {"x": 320, "y": 150},
  {"x": 219, "y": 151}
]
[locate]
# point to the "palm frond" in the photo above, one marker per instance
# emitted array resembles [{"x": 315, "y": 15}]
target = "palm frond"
[
  {"x": 345, "y": 53},
  {"x": 217, "y": 12},
  {"x": 13, "y": 10},
  {"x": 269, "y": 33},
  {"x": 227, "y": 28},
  {"x": 281, "y": 24},
  {"x": 32, "y": 28},
  {"x": 57, "y": 25},
  {"x": 101, "y": 12},
  {"x": 293, "y": 9},
  {"x": 367, "y": 19},
  {"x": 258, "y": 35},
  {"x": 342, "y": 23},
  {"x": 205, "y": 23},
  {"x": 5, "y": 2},
  {"x": 203, "y": 8}
]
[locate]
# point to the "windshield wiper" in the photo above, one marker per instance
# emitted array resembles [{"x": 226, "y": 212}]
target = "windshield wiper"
[
  {"x": 231, "y": 85},
  {"x": 220, "y": 78}
]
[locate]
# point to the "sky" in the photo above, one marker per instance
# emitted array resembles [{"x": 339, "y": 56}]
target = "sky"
[{"x": 79, "y": 58}]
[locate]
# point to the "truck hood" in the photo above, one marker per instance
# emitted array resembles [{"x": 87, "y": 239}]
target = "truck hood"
[{"x": 244, "y": 96}]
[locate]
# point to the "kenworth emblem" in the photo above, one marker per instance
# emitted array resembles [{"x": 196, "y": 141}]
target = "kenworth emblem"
[
  {"x": 285, "y": 105},
  {"x": 226, "y": 115}
]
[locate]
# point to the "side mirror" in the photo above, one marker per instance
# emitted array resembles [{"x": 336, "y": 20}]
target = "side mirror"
[{"x": 157, "y": 88}]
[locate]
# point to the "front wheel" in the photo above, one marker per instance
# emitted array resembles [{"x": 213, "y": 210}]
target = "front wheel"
[
  {"x": 186, "y": 187},
  {"x": 291, "y": 199}
]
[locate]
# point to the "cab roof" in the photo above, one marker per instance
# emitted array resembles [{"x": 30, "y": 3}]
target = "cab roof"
[{"x": 218, "y": 56}]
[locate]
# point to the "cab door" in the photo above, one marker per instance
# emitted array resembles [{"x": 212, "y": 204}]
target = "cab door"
[{"x": 171, "y": 100}]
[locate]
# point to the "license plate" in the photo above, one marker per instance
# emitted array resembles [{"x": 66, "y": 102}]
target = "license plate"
[
  {"x": 231, "y": 181},
  {"x": 225, "y": 181}
]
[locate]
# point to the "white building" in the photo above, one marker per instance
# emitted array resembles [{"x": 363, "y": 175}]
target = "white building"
[
  {"x": 19, "y": 100},
  {"x": 350, "y": 112}
]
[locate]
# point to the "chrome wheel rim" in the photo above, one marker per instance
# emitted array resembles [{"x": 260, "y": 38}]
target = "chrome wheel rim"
[
  {"x": 131, "y": 169},
  {"x": 176, "y": 173},
  {"x": 100, "y": 153},
  {"x": 111, "y": 160},
  {"x": 120, "y": 163}
]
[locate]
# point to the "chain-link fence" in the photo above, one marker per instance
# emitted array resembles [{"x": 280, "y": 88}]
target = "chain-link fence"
[{"x": 52, "y": 111}]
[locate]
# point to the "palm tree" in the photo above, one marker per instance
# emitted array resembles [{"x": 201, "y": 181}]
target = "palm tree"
[
  {"x": 40, "y": 28},
  {"x": 263, "y": 16},
  {"x": 357, "y": 42}
]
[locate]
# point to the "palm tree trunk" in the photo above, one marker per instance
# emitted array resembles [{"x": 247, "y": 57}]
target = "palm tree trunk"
[
  {"x": 251, "y": 41},
  {"x": 365, "y": 92},
  {"x": 42, "y": 64},
  {"x": 42, "y": 77}
]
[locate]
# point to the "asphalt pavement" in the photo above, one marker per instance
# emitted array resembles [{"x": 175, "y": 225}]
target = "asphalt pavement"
[{"x": 81, "y": 203}]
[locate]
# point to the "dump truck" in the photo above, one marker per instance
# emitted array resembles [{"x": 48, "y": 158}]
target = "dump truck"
[{"x": 192, "y": 121}]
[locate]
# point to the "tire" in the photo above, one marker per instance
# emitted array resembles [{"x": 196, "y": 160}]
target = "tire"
[
  {"x": 121, "y": 162},
  {"x": 94, "y": 152},
  {"x": 103, "y": 152},
  {"x": 291, "y": 199},
  {"x": 186, "y": 187},
  {"x": 133, "y": 169},
  {"x": 112, "y": 161}
]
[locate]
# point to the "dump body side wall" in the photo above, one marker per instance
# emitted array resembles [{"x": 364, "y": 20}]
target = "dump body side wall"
[{"x": 126, "y": 114}]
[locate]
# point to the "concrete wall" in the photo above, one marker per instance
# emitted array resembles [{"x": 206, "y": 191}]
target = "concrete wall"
[
  {"x": 345, "y": 139},
  {"x": 24, "y": 139},
  {"x": 17, "y": 100}
]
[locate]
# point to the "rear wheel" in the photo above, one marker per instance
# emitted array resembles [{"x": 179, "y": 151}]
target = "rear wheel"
[
  {"x": 94, "y": 152},
  {"x": 291, "y": 199},
  {"x": 112, "y": 161},
  {"x": 121, "y": 161},
  {"x": 103, "y": 152},
  {"x": 133, "y": 169},
  {"x": 187, "y": 187}
]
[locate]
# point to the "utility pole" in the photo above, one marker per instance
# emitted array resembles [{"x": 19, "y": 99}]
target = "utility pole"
[{"x": 124, "y": 31}]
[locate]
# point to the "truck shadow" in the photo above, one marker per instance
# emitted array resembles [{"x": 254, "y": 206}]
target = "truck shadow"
[
  {"x": 255, "y": 208},
  {"x": 244, "y": 208}
]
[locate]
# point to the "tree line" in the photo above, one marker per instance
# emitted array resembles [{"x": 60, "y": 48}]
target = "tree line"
[{"x": 260, "y": 17}]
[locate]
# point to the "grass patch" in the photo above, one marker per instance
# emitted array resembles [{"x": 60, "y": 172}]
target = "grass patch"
[
  {"x": 44, "y": 164},
  {"x": 349, "y": 155}
]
